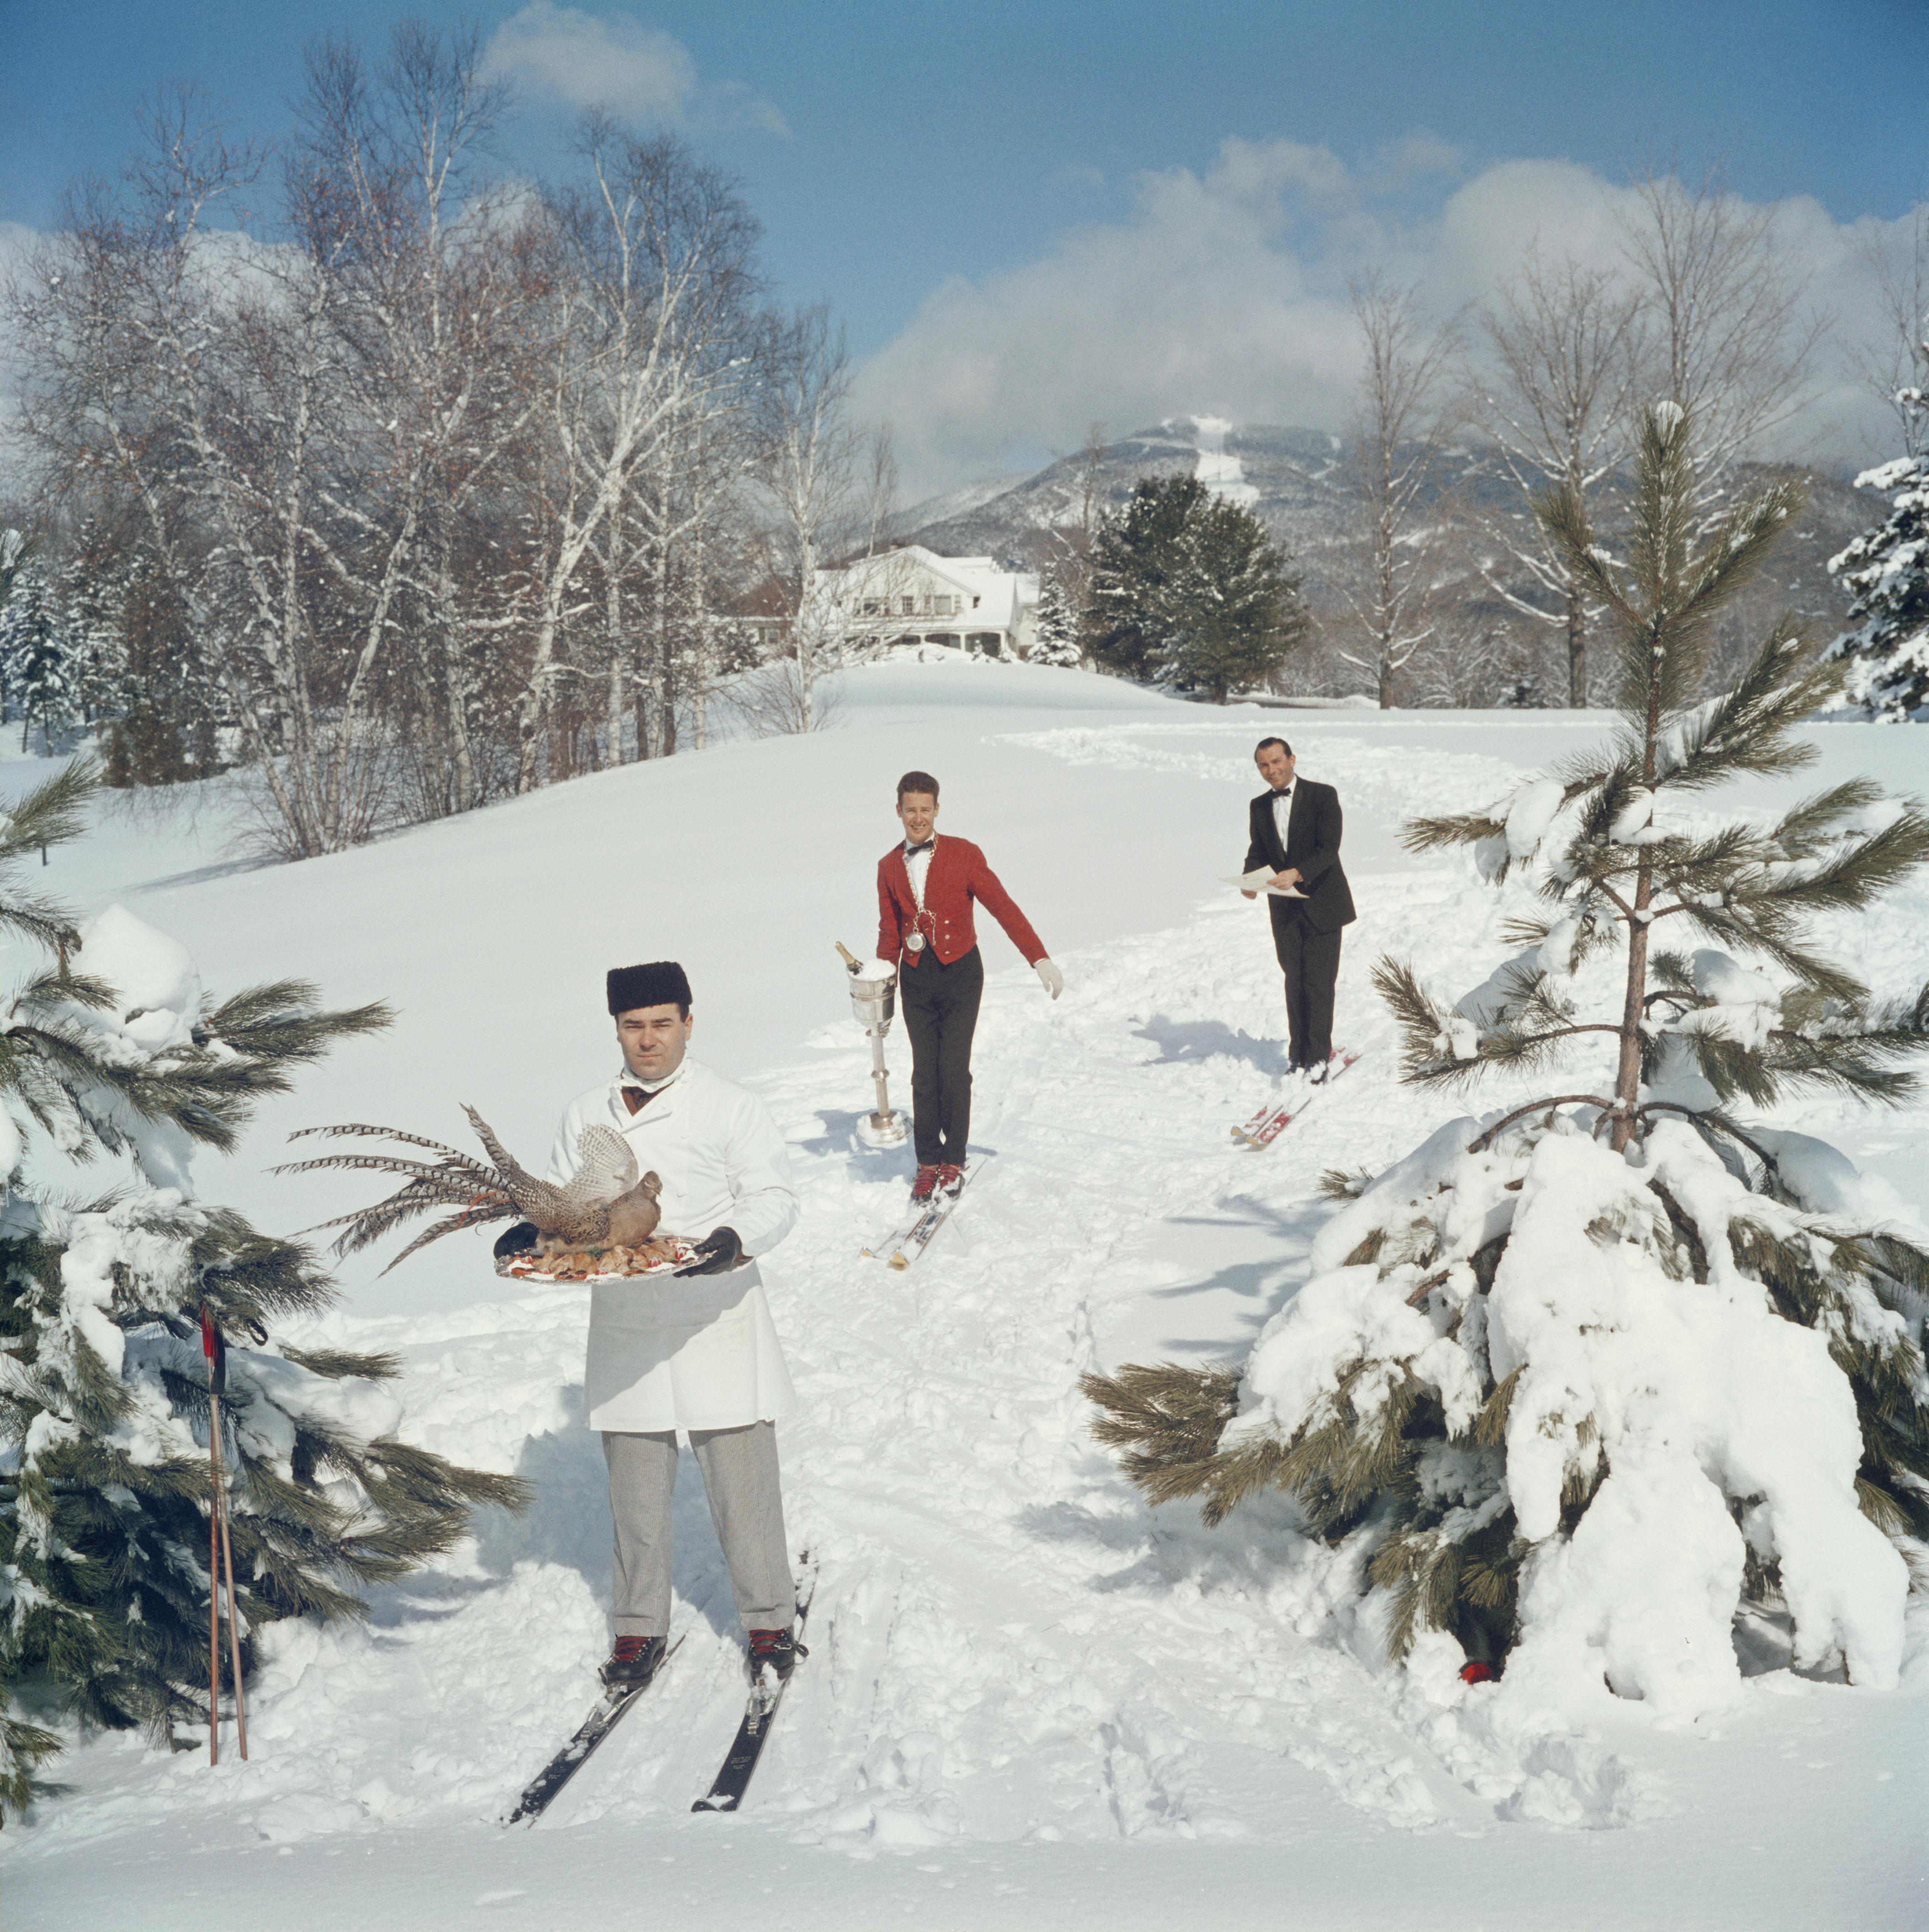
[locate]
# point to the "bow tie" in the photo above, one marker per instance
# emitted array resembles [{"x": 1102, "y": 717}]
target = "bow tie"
[{"x": 911, "y": 851}]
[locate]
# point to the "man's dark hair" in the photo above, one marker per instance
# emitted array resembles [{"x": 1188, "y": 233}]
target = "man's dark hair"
[
  {"x": 1265, "y": 742},
  {"x": 917, "y": 782}
]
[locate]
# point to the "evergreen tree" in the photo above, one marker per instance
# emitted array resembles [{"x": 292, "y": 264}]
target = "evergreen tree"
[
  {"x": 36, "y": 648},
  {"x": 1229, "y": 612},
  {"x": 1137, "y": 550},
  {"x": 1886, "y": 653},
  {"x": 1572, "y": 1381},
  {"x": 111, "y": 1050},
  {"x": 92, "y": 590},
  {"x": 1188, "y": 589},
  {"x": 167, "y": 709},
  {"x": 16, "y": 548},
  {"x": 1057, "y": 642}
]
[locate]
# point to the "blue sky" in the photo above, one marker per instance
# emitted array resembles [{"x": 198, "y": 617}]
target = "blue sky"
[{"x": 912, "y": 164}]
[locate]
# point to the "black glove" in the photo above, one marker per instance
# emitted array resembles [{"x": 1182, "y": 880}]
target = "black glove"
[
  {"x": 518, "y": 1241},
  {"x": 719, "y": 1251}
]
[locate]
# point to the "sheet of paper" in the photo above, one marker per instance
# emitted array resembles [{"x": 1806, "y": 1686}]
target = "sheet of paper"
[{"x": 1258, "y": 881}]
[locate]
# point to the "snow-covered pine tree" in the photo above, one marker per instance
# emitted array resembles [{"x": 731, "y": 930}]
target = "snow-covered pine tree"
[
  {"x": 166, "y": 710},
  {"x": 1885, "y": 653},
  {"x": 92, "y": 588},
  {"x": 16, "y": 548},
  {"x": 36, "y": 653},
  {"x": 1572, "y": 1382},
  {"x": 111, "y": 1048},
  {"x": 1057, "y": 639}
]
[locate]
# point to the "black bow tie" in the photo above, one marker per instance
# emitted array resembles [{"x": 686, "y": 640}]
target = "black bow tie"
[{"x": 911, "y": 851}]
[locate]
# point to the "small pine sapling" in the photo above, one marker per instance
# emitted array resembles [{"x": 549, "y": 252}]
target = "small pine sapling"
[
  {"x": 1575, "y": 1381},
  {"x": 1056, "y": 640}
]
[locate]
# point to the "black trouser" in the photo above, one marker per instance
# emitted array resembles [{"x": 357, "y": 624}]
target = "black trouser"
[
  {"x": 941, "y": 1005},
  {"x": 1310, "y": 960}
]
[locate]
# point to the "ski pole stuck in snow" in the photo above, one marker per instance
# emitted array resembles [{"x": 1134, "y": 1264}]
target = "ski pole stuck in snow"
[{"x": 221, "y": 1552}]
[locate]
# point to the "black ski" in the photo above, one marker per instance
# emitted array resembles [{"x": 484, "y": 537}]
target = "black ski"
[
  {"x": 611, "y": 1710},
  {"x": 728, "y": 1787}
]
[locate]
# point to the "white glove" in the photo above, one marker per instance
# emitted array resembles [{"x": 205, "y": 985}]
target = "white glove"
[{"x": 1050, "y": 978}]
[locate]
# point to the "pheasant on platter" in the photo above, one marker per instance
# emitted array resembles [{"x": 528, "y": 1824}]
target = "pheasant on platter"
[{"x": 602, "y": 1222}]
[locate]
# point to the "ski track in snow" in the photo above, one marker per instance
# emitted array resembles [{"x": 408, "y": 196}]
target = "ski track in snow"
[{"x": 1007, "y": 1644}]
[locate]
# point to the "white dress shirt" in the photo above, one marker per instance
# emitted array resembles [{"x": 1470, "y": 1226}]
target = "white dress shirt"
[
  {"x": 1283, "y": 811},
  {"x": 917, "y": 865}
]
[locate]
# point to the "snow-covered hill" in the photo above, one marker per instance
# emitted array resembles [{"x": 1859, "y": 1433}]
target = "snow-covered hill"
[{"x": 1030, "y": 1698}]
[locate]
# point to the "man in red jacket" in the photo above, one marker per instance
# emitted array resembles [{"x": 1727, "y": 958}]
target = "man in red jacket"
[{"x": 926, "y": 887}]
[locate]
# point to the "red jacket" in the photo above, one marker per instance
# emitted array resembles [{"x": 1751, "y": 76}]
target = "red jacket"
[{"x": 957, "y": 875}]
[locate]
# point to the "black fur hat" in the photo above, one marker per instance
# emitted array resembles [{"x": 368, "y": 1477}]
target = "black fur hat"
[{"x": 658, "y": 984}]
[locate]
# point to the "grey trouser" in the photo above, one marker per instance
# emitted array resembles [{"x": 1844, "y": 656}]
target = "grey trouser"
[{"x": 740, "y": 1468}]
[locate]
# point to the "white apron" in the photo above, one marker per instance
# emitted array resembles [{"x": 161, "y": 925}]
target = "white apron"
[{"x": 701, "y": 1353}]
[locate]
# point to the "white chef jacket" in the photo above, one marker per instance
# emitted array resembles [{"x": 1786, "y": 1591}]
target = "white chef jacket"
[{"x": 702, "y": 1353}]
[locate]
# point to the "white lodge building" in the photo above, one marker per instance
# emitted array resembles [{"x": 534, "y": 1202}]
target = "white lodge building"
[{"x": 914, "y": 596}]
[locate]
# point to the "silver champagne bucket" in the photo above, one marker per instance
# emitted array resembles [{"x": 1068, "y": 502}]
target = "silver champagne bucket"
[{"x": 874, "y": 1004}]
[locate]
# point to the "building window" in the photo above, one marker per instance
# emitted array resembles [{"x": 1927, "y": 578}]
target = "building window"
[
  {"x": 907, "y": 607},
  {"x": 871, "y": 607},
  {"x": 987, "y": 643},
  {"x": 946, "y": 638}
]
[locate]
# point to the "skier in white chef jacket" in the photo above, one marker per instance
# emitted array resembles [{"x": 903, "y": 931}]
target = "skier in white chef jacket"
[{"x": 694, "y": 1353}]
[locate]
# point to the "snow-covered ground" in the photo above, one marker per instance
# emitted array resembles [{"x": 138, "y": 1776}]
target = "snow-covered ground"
[{"x": 1029, "y": 1695}]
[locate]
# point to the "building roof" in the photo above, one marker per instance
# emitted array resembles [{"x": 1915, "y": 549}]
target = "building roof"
[{"x": 993, "y": 598}]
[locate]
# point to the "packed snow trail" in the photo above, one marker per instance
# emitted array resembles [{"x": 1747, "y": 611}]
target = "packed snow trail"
[{"x": 1016, "y": 1665}]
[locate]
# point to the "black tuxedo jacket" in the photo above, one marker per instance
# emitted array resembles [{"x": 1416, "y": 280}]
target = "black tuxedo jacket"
[{"x": 1312, "y": 844}]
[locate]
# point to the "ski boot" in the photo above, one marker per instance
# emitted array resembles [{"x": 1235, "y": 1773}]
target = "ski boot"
[
  {"x": 924, "y": 1186},
  {"x": 951, "y": 1179},
  {"x": 631, "y": 1662},
  {"x": 776, "y": 1650}
]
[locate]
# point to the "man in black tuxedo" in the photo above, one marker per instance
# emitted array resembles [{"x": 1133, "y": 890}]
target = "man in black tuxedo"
[{"x": 1295, "y": 836}]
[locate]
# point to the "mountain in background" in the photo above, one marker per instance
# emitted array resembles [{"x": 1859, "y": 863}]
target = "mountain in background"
[{"x": 1296, "y": 481}]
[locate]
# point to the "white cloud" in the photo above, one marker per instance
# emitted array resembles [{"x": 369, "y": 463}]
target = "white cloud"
[
  {"x": 1224, "y": 293},
  {"x": 614, "y": 61}
]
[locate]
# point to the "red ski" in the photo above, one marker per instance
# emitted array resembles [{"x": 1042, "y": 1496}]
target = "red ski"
[{"x": 1272, "y": 1124}]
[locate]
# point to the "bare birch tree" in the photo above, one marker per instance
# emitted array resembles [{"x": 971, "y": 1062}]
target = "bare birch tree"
[
  {"x": 1564, "y": 343},
  {"x": 648, "y": 251},
  {"x": 810, "y": 484},
  {"x": 1730, "y": 331},
  {"x": 164, "y": 365},
  {"x": 1403, "y": 425},
  {"x": 1896, "y": 369}
]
